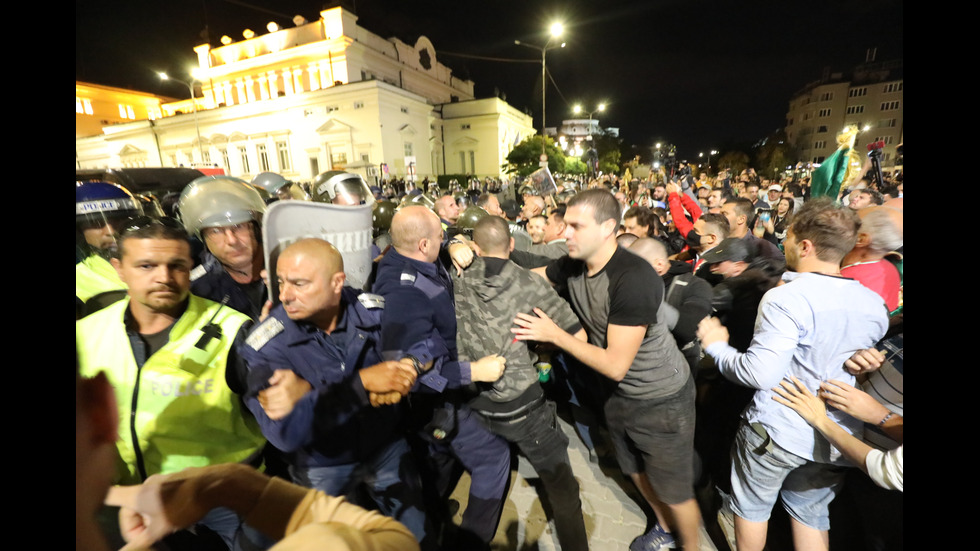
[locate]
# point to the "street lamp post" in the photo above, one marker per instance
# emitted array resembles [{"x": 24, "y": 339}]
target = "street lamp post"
[
  {"x": 556, "y": 30},
  {"x": 197, "y": 126}
]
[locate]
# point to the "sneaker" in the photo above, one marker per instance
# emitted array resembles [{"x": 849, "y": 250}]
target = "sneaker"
[{"x": 654, "y": 540}]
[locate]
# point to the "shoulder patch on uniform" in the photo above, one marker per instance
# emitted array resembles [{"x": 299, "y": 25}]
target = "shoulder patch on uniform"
[
  {"x": 371, "y": 301},
  {"x": 196, "y": 273},
  {"x": 264, "y": 332},
  {"x": 410, "y": 278}
]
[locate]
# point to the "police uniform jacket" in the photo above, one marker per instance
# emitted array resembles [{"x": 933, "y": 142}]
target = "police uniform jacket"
[
  {"x": 420, "y": 319},
  {"x": 334, "y": 424},
  {"x": 211, "y": 281}
]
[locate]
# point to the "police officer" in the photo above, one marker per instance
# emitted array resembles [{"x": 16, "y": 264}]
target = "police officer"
[
  {"x": 313, "y": 364},
  {"x": 100, "y": 208},
  {"x": 421, "y": 326},
  {"x": 226, "y": 213},
  {"x": 170, "y": 358},
  {"x": 341, "y": 188}
]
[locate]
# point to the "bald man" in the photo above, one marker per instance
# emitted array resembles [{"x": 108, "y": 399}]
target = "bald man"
[
  {"x": 420, "y": 326},
  {"x": 322, "y": 394}
]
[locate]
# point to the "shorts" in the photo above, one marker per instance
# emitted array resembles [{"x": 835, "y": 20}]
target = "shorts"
[
  {"x": 760, "y": 475},
  {"x": 656, "y": 437}
]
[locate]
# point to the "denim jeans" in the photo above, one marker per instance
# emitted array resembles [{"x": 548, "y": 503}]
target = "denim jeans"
[{"x": 390, "y": 478}]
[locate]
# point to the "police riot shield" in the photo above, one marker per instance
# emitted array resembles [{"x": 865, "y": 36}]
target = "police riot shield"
[{"x": 348, "y": 228}]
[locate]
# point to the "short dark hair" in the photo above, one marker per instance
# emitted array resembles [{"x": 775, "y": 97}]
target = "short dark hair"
[
  {"x": 145, "y": 227},
  {"x": 604, "y": 204},
  {"x": 644, "y": 216},
  {"x": 719, "y": 223},
  {"x": 833, "y": 229},
  {"x": 492, "y": 234},
  {"x": 752, "y": 184},
  {"x": 559, "y": 212},
  {"x": 484, "y": 199},
  {"x": 743, "y": 207}
]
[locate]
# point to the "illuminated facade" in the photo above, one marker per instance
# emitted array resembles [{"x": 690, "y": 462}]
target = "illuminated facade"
[
  {"x": 319, "y": 96},
  {"x": 872, "y": 97},
  {"x": 97, "y": 106}
]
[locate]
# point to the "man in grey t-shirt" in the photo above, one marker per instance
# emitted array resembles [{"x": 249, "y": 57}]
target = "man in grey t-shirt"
[{"x": 651, "y": 415}]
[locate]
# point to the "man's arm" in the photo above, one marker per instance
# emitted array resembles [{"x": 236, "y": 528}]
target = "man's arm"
[
  {"x": 674, "y": 202},
  {"x": 766, "y": 361},
  {"x": 622, "y": 343}
]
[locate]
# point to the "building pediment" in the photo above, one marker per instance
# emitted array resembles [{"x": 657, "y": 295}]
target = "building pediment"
[
  {"x": 465, "y": 141},
  {"x": 333, "y": 125},
  {"x": 130, "y": 149},
  {"x": 407, "y": 130}
]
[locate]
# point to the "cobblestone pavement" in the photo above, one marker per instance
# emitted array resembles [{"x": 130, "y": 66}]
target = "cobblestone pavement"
[{"x": 610, "y": 504}]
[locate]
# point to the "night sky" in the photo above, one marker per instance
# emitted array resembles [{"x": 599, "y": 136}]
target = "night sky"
[{"x": 697, "y": 73}]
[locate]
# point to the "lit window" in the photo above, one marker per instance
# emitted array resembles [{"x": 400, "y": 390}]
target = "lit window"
[
  {"x": 263, "y": 155},
  {"x": 408, "y": 149},
  {"x": 243, "y": 155},
  {"x": 338, "y": 160},
  {"x": 284, "y": 163}
]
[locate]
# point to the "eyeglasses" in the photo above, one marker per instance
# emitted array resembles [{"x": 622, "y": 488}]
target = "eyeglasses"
[
  {"x": 238, "y": 230},
  {"x": 138, "y": 223}
]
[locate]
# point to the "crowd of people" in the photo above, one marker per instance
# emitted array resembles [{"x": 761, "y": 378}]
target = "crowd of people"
[{"x": 728, "y": 342}]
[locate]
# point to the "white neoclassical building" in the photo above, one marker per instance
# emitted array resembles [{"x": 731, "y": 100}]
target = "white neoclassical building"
[{"x": 322, "y": 95}]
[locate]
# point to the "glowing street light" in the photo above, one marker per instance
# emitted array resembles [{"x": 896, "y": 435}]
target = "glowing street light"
[{"x": 556, "y": 31}]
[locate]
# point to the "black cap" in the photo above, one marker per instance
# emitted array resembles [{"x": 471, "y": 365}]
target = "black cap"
[{"x": 732, "y": 248}]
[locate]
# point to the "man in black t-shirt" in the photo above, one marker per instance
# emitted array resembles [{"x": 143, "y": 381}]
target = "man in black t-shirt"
[{"x": 651, "y": 415}]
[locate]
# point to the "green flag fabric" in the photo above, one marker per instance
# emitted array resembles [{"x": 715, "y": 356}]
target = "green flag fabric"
[{"x": 826, "y": 180}]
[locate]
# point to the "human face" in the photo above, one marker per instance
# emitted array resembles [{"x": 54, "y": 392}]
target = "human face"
[
  {"x": 535, "y": 227},
  {"x": 99, "y": 237},
  {"x": 533, "y": 205},
  {"x": 708, "y": 240},
  {"x": 583, "y": 235},
  {"x": 659, "y": 193},
  {"x": 859, "y": 200},
  {"x": 309, "y": 288},
  {"x": 753, "y": 193},
  {"x": 773, "y": 196},
  {"x": 783, "y": 206},
  {"x": 714, "y": 198},
  {"x": 493, "y": 207},
  {"x": 728, "y": 209},
  {"x": 726, "y": 268},
  {"x": 632, "y": 226},
  {"x": 553, "y": 229},
  {"x": 233, "y": 245},
  {"x": 157, "y": 272},
  {"x": 447, "y": 209}
]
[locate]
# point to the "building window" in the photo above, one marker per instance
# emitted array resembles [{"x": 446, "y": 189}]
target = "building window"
[
  {"x": 405, "y": 110},
  {"x": 408, "y": 149},
  {"x": 126, "y": 112},
  {"x": 207, "y": 157},
  {"x": 822, "y": 128},
  {"x": 855, "y": 109},
  {"x": 338, "y": 160},
  {"x": 83, "y": 105},
  {"x": 824, "y": 113},
  {"x": 472, "y": 162},
  {"x": 243, "y": 155},
  {"x": 893, "y": 87},
  {"x": 263, "y": 155},
  {"x": 464, "y": 127},
  {"x": 889, "y": 105},
  {"x": 826, "y": 96},
  {"x": 819, "y": 159},
  {"x": 314, "y": 165},
  {"x": 358, "y": 105},
  {"x": 225, "y": 161},
  {"x": 857, "y": 92},
  {"x": 887, "y": 123},
  {"x": 284, "y": 163},
  {"x": 887, "y": 139},
  {"x": 819, "y": 144}
]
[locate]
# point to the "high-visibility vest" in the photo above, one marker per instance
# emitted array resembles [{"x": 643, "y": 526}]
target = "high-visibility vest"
[
  {"x": 177, "y": 410},
  {"x": 95, "y": 275}
]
